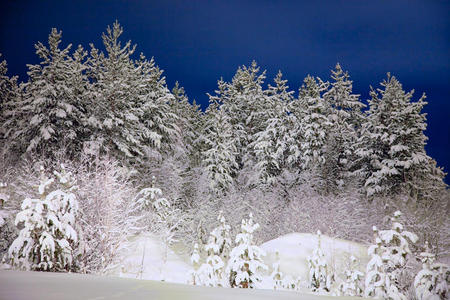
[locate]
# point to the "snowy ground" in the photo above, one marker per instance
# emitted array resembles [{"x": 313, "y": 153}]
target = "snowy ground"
[
  {"x": 144, "y": 258},
  {"x": 16, "y": 285}
]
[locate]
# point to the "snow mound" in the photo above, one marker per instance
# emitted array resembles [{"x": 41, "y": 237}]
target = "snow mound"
[
  {"x": 294, "y": 248},
  {"x": 144, "y": 257}
]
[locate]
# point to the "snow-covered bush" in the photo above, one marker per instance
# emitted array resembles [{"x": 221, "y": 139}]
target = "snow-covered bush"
[
  {"x": 353, "y": 284},
  {"x": 48, "y": 240},
  {"x": 319, "y": 275},
  {"x": 246, "y": 258}
]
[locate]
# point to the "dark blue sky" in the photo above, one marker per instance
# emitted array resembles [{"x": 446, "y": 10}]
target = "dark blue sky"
[{"x": 197, "y": 42}]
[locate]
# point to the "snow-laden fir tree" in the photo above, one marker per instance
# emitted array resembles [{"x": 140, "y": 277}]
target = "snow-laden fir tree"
[
  {"x": 432, "y": 281},
  {"x": 219, "y": 158},
  {"x": 353, "y": 284},
  {"x": 222, "y": 237},
  {"x": 161, "y": 121},
  {"x": 346, "y": 118},
  {"x": 243, "y": 99},
  {"x": 9, "y": 98},
  {"x": 115, "y": 107},
  {"x": 54, "y": 104},
  {"x": 47, "y": 240},
  {"x": 424, "y": 282},
  {"x": 319, "y": 277},
  {"x": 245, "y": 261},
  {"x": 315, "y": 123},
  {"x": 375, "y": 283},
  {"x": 270, "y": 143},
  {"x": 392, "y": 145}
]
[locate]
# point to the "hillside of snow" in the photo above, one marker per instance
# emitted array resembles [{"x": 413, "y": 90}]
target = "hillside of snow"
[
  {"x": 295, "y": 248},
  {"x": 144, "y": 257}
]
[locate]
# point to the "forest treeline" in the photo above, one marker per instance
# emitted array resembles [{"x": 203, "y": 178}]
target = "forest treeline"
[{"x": 320, "y": 160}]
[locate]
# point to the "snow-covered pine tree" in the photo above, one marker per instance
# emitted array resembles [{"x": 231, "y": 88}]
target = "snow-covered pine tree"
[
  {"x": 353, "y": 284},
  {"x": 346, "y": 118},
  {"x": 246, "y": 258},
  {"x": 375, "y": 283},
  {"x": 114, "y": 113},
  {"x": 54, "y": 105},
  {"x": 243, "y": 99},
  {"x": 8, "y": 102},
  {"x": 314, "y": 127},
  {"x": 393, "y": 145},
  {"x": 319, "y": 277},
  {"x": 219, "y": 159},
  {"x": 160, "y": 120},
  {"x": 269, "y": 145},
  {"x": 47, "y": 241}
]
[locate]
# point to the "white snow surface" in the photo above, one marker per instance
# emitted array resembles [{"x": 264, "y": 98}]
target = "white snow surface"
[{"x": 17, "y": 285}]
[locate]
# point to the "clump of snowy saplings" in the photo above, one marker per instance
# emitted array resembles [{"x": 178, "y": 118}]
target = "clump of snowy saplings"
[
  {"x": 236, "y": 268},
  {"x": 47, "y": 240}
]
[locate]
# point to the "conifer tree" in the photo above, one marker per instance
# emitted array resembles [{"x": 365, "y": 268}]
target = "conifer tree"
[
  {"x": 270, "y": 143},
  {"x": 220, "y": 155},
  {"x": 54, "y": 107},
  {"x": 393, "y": 142},
  {"x": 352, "y": 286},
  {"x": 114, "y": 113},
  {"x": 346, "y": 118},
  {"x": 315, "y": 123}
]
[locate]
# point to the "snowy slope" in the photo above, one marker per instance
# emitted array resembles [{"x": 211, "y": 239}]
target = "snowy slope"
[
  {"x": 15, "y": 285},
  {"x": 294, "y": 249},
  {"x": 143, "y": 257}
]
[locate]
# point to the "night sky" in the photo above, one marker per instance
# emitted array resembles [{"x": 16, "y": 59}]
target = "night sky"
[{"x": 197, "y": 42}]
